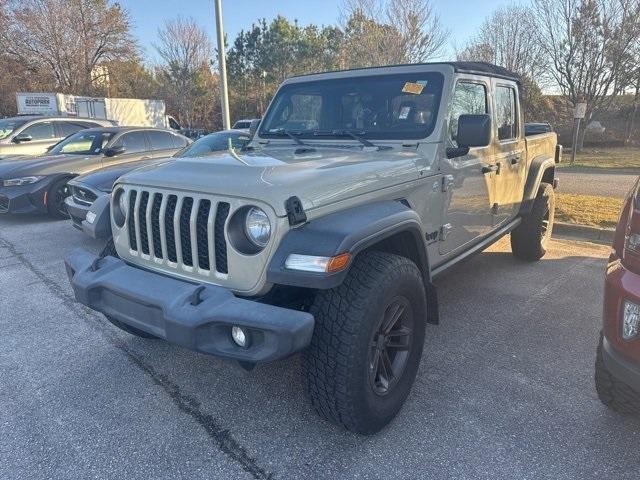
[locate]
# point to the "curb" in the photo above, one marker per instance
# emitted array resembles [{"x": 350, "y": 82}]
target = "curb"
[{"x": 585, "y": 232}]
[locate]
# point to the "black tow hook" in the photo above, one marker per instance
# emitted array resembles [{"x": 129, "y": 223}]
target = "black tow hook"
[{"x": 196, "y": 298}]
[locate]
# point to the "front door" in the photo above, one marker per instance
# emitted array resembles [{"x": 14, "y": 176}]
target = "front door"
[
  {"x": 510, "y": 154},
  {"x": 467, "y": 214}
]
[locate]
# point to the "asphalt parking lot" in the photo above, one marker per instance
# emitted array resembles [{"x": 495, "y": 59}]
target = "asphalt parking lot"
[{"x": 505, "y": 387}]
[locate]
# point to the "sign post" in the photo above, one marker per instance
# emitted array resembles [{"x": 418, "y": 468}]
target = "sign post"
[
  {"x": 222, "y": 65},
  {"x": 578, "y": 114}
]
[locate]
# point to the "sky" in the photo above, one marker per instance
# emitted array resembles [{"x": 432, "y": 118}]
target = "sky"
[{"x": 461, "y": 17}]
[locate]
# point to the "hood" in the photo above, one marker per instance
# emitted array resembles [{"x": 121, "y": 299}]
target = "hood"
[
  {"x": 272, "y": 175},
  {"x": 104, "y": 178},
  {"x": 48, "y": 165}
]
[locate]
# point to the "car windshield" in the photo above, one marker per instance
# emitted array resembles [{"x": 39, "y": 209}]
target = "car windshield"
[
  {"x": 399, "y": 106},
  {"x": 9, "y": 125},
  {"x": 83, "y": 143},
  {"x": 212, "y": 143}
]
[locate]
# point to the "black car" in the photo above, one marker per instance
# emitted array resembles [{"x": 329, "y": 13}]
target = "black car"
[
  {"x": 87, "y": 189},
  {"x": 39, "y": 185}
]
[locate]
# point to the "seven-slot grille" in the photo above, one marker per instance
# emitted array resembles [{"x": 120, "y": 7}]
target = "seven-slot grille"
[
  {"x": 180, "y": 229},
  {"x": 83, "y": 196}
]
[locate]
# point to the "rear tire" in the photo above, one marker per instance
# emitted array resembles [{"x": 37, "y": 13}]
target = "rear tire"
[
  {"x": 530, "y": 239},
  {"x": 55, "y": 199},
  {"x": 612, "y": 392},
  {"x": 361, "y": 363}
]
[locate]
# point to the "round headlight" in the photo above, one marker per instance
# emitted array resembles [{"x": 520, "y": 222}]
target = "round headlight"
[
  {"x": 257, "y": 227},
  {"x": 119, "y": 207}
]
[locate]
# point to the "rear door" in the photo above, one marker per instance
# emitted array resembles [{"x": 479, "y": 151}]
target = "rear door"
[
  {"x": 467, "y": 215},
  {"x": 510, "y": 151},
  {"x": 163, "y": 144}
]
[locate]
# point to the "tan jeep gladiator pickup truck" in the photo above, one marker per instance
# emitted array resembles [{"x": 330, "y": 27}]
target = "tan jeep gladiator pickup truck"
[{"x": 324, "y": 234}]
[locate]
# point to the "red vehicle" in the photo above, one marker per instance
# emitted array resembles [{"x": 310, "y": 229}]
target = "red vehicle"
[{"x": 618, "y": 362}]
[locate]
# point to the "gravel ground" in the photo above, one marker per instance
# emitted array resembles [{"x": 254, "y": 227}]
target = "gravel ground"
[{"x": 505, "y": 389}]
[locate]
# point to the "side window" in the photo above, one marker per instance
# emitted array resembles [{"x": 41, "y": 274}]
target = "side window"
[
  {"x": 506, "y": 115},
  {"x": 40, "y": 131},
  {"x": 68, "y": 128},
  {"x": 160, "y": 140},
  {"x": 179, "y": 141},
  {"x": 468, "y": 99},
  {"x": 133, "y": 142}
]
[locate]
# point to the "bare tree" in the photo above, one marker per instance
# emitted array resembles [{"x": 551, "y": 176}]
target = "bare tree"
[
  {"x": 68, "y": 39},
  {"x": 588, "y": 42},
  {"x": 378, "y": 32},
  {"x": 185, "y": 74},
  {"x": 422, "y": 35},
  {"x": 508, "y": 38}
]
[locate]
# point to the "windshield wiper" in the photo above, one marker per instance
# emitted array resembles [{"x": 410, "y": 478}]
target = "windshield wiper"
[
  {"x": 355, "y": 134},
  {"x": 290, "y": 134}
]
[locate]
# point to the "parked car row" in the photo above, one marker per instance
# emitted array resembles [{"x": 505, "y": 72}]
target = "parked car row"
[{"x": 41, "y": 183}]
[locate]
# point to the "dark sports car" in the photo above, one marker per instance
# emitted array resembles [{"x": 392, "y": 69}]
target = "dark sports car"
[{"x": 40, "y": 184}]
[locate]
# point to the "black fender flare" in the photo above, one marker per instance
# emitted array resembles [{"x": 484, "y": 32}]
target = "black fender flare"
[
  {"x": 351, "y": 231},
  {"x": 541, "y": 165}
]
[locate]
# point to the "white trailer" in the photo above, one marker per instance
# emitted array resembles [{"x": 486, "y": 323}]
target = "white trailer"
[{"x": 126, "y": 112}]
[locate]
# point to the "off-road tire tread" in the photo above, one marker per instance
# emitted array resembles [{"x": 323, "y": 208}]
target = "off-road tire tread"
[
  {"x": 525, "y": 238},
  {"x": 612, "y": 392},
  {"x": 339, "y": 321}
]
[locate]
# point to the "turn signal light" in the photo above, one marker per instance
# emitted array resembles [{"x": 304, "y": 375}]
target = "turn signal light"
[{"x": 317, "y": 264}]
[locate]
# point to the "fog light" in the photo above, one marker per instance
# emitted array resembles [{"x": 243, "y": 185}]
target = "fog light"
[
  {"x": 239, "y": 336},
  {"x": 630, "y": 320}
]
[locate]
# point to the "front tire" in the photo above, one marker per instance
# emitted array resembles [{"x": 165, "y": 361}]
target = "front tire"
[
  {"x": 367, "y": 343},
  {"x": 530, "y": 239},
  {"x": 612, "y": 392},
  {"x": 55, "y": 199}
]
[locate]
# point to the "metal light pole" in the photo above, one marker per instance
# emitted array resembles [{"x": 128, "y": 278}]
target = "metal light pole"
[{"x": 222, "y": 65}]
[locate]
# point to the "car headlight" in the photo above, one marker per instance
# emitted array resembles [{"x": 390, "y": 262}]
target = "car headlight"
[
  {"x": 17, "y": 182},
  {"x": 257, "y": 227},
  {"x": 119, "y": 207}
]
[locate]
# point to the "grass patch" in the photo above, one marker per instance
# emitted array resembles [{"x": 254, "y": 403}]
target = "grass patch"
[
  {"x": 627, "y": 157},
  {"x": 588, "y": 209}
]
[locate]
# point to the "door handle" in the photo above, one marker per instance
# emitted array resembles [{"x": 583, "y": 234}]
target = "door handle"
[
  {"x": 491, "y": 168},
  {"x": 515, "y": 160}
]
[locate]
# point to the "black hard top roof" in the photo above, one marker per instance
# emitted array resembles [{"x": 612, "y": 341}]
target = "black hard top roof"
[{"x": 478, "y": 68}]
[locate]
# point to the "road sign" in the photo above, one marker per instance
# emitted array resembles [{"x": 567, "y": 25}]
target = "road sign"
[{"x": 580, "y": 110}]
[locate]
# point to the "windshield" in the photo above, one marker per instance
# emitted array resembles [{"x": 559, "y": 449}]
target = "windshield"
[
  {"x": 401, "y": 106},
  {"x": 212, "y": 143},
  {"x": 9, "y": 125},
  {"x": 83, "y": 143}
]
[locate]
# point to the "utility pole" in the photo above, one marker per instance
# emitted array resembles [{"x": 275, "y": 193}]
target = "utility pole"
[{"x": 222, "y": 65}]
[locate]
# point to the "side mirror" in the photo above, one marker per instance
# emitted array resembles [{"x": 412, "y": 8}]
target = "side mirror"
[
  {"x": 114, "y": 151},
  {"x": 22, "y": 138},
  {"x": 473, "y": 131},
  {"x": 253, "y": 128}
]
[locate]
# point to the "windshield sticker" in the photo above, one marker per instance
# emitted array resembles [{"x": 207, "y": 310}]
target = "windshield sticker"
[
  {"x": 404, "y": 113},
  {"x": 412, "y": 88}
]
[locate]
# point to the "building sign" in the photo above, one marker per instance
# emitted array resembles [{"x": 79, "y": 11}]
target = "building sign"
[{"x": 37, "y": 103}]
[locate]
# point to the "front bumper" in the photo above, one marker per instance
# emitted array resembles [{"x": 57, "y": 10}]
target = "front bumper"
[
  {"x": 621, "y": 357},
  {"x": 76, "y": 211},
  {"x": 99, "y": 226},
  {"x": 24, "y": 199},
  {"x": 171, "y": 309}
]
